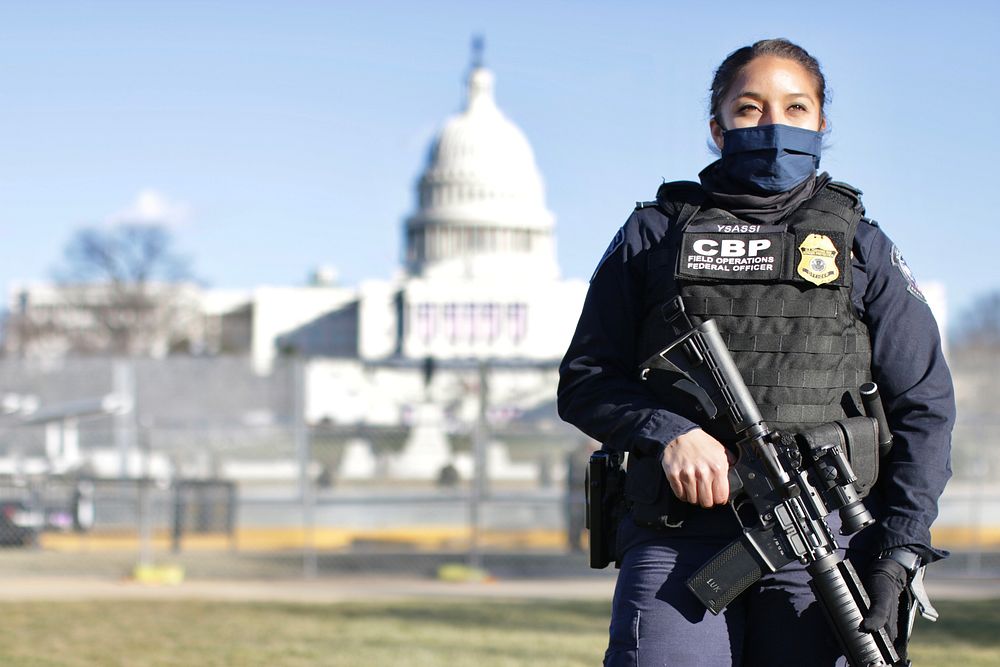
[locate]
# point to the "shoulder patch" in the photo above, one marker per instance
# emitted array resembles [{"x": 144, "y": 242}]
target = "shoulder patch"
[
  {"x": 904, "y": 270},
  {"x": 645, "y": 204},
  {"x": 873, "y": 223},
  {"x": 614, "y": 245}
]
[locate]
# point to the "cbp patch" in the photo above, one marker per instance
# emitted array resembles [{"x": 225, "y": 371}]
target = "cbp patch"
[
  {"x": 731, "y": 252},
  {"x": 904, "y": 270},
  {"x": 615, "y": 242}
]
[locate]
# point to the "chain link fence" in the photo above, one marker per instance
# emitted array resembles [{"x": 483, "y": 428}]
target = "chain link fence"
[
  {"x": 190, "y": 460},
  {"x": 323, "y": 467}
]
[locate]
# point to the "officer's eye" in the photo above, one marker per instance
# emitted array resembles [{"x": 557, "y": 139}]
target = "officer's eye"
[
  {"x": 747, "y": 108},
  {"x": 798, "y": 107}
]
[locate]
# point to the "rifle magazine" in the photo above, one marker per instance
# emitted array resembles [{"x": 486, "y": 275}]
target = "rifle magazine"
[{"x": 722, "y": 579}]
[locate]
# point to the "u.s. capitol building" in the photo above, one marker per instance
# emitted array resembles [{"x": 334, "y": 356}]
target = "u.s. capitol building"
[
  {"x": 480, "y": 282},
  {"x": 480, "y": 277}
]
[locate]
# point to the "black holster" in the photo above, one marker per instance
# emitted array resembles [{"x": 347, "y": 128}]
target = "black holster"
[{"x": 605, "y": 506}]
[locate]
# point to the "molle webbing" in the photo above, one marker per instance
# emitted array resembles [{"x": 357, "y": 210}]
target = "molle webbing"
[
  {"x": 799, "y": 346},
  {"x": 804, "y": 379},
  {"x": 805, "y": 343},
  {"x": 763, "y": 307},
  {"x": 789, "y": 416},
  {"x": 800, "y": 354}
]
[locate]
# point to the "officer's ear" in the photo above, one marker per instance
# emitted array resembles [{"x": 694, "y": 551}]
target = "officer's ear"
[{"x": 717, "y": 132}]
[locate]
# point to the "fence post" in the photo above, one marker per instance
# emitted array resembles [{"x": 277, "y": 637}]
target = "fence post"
[
  {"x": 303, "y": 448},
  {"x": 480, "y": 443},
  {"x": 231, "y": 515},
  {"x": 124, "y": 382},
  {"x": 145, "y": 522},
  {"x": 144, "y": 481},
  {"x": 977, "y": 543},
  {"x": 178, "y": 527}
]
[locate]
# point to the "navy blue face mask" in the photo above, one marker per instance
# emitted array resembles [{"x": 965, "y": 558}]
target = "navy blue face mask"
[{"x": 771, "y": 158}]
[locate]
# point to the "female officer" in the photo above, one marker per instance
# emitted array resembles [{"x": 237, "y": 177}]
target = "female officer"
[{"x": 813, "y": 299}]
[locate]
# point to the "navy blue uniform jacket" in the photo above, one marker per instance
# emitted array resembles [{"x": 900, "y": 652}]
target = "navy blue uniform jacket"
[{"x": 600, "y": 393}]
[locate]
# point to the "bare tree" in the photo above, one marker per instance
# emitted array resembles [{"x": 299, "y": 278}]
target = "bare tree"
[
  {"x": 119, "y": 290},
  {"x": 126, "y": 254}
]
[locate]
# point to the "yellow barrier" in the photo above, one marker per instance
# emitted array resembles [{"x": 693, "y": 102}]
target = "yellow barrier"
[
  {"x": 425, "y": 538},
  {"x": 418, "y": 538}
]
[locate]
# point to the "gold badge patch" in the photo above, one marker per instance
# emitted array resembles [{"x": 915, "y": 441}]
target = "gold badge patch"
[{"x": 819, "y": 259}]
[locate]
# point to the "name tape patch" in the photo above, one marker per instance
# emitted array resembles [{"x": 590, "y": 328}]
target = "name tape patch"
[{"x": 732, "y": 252}]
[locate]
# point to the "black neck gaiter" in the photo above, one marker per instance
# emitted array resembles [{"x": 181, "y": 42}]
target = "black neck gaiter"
[{"x": 761, "y": 209}]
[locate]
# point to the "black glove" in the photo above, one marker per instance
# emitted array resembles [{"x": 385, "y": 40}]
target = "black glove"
[{"x": 886, "y": 581}]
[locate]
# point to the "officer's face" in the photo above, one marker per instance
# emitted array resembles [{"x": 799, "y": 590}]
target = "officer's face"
[{"x": 770, "y": 91}]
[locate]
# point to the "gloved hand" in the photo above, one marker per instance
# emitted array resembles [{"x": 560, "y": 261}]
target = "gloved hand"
[{"x": 885, "y": 584}]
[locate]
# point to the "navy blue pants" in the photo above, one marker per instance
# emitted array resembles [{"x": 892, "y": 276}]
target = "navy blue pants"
[{"x": 657, "y": 621}]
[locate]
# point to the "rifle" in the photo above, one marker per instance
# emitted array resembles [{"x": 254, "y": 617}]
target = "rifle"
[{"x": 782, "y": 487}]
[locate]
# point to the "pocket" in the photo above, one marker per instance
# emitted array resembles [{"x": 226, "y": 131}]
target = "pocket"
[
  {"x": 643, "y": 480},
  {"x": 653, "y": 503}
]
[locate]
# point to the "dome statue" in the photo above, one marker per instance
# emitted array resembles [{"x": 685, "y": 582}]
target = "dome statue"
[{"x": 480, "y": 199}]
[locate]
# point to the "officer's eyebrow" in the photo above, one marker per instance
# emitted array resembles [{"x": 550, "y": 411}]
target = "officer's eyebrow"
[{"x": 758, "y": 96}]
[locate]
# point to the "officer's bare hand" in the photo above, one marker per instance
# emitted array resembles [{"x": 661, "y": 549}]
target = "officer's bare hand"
[{"x": 697, "y": 467}]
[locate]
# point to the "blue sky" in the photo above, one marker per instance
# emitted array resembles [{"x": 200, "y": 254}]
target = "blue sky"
[{"x": 280, "y": 136}]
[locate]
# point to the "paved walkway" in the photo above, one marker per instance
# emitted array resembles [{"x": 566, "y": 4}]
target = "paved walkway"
[{"x": 339, "y": 589}]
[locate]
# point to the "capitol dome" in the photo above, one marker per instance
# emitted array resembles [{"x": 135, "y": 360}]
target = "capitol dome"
[{"x": 480, "y": 198}]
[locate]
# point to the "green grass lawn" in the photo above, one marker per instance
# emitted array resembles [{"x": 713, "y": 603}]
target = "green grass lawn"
[{"x": 439, "y": 634}]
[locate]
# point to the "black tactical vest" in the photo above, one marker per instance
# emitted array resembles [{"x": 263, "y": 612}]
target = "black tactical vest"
[{"x": 780, "y": 294}]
